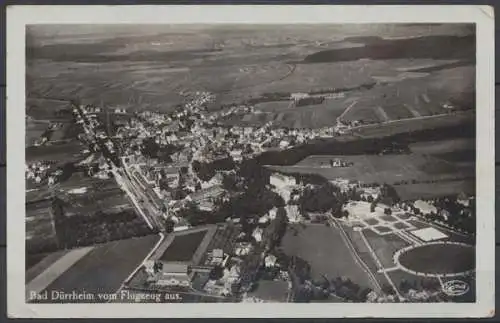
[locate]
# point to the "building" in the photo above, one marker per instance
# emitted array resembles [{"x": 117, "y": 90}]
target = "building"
[
  {"x": 284, "y": 185},
  {"x": 184, "y": 254},
  {"x": 258, "y": 234},
  {"x": 168, "y": 274},
  {"x": 280, "y": 180},
  {"x": 293, "y": 213}
]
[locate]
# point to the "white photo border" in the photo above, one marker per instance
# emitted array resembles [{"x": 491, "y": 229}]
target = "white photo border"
[{"x": 20, "y": 16}]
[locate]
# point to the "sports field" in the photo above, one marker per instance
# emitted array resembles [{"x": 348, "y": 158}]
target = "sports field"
[{"x": 439, "y": 258}]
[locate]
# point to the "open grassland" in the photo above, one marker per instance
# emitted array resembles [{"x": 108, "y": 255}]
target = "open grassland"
[
  {"x": 67, "y": 151},
  {"x": 102, "y": 65},
  {"x": 394, "y": 127},
  {"x": 40, "y": 229},
  {"x": 443, "y": 146},
  {"x": 38, "y": 263},
  {"x": 323, "y": 248},
  {"x": 416, "y": 97},
  {"x": 378, "y": 168},
  {"x": 432, "y": 168},
  {"x": 286, "y": 114}
]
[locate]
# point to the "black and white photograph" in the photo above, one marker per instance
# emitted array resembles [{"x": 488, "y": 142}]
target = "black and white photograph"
[{"x": 255, "y": 163}]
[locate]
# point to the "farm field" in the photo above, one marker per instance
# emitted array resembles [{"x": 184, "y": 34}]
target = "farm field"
[
  {"x": 379, "y": 169},
  {"x": 40, "y": 229},
  {"x": 443, "y": 146},
  {"x": 105, "y": 267},
  {"x": 448, "y": 171},
  {"x": 39, "y": 108},
  {"x": 413, "y": 97},
  {"x": 165, "y": 63},
  {"x": 326, "y": 252},
  {"x": 413, "y": 124},
  {"x": 38, "y": 263},
  {"x": 66, "y": 152},
  {"x": 286, "y": 114}
]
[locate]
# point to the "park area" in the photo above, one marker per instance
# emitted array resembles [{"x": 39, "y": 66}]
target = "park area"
[{"x": 326, "y": 252}]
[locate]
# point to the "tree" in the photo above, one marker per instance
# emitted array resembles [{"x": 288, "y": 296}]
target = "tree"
[
  {"x": 387, "y": 289},
  {"x": 169, "y": 225},
  {"x": 216, "y": 273},
  {"x": 387, "y": 211}
]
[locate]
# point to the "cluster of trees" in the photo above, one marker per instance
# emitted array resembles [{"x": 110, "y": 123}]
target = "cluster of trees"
[
  {"x": 251, "y": 203},
  {"x": 276, "y": 229},
  {"x": 152, "y": 149},
  {"x": 420, "y": 284},
  {"x": 268, "y": 97},
  {"x": 44, "y": 245},
  {"x": 83, "y": 230},
  {"x": 459, "y": 216},
  {"x": 344, "y": 288},
  {"x": 365, "y": 86},
  {"x": 192, "y": 213},
  {"x": 431, "y": 181},
  {"x": 320, "y": 198},
  {"x": 310, "y": 101},
  {"x": 205, "y": 171}
]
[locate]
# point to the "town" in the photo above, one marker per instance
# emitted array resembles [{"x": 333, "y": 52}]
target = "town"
[{"x": 349, "y": 188}]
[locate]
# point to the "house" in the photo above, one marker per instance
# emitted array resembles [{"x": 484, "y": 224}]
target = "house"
[
  {"x": 270, "y": 261},
  {"x": 293, "y": 213},
  {"x": 217, "y": 256},
  {"x": 284, "y": 144},
  {"x": 279, "y": 180},
  {"x": 168, "y": 274},
  {"x": 264, "y": 219},
  {"x": 257, "y": 234}
]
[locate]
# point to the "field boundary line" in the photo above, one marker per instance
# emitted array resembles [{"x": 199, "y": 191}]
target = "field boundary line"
[{"x": 340, "y": 117}]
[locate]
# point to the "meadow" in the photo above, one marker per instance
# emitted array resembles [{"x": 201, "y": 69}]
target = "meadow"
[{"x": 326, "y": 252}]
